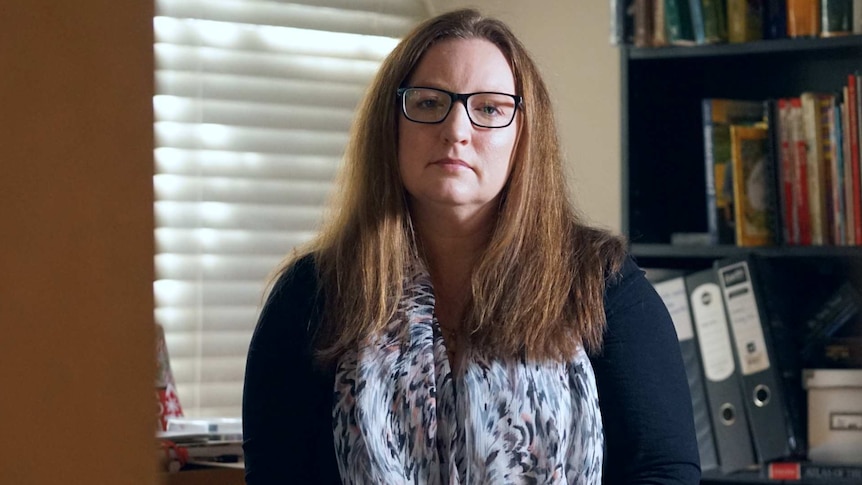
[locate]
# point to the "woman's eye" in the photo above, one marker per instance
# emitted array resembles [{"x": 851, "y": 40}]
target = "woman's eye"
[
  {"x": 428, "y": 103},
  {"x": 490, "y": 110},
  {"x": 431, "y": 103}
]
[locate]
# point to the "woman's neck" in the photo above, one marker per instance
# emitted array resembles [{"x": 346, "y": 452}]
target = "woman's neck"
[{"x": 451, "y": 245}]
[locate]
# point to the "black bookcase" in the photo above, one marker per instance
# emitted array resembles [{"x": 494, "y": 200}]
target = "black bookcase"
[{"x": 664, "y": 183}]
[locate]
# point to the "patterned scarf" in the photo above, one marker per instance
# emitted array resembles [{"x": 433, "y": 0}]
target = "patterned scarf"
[{"x": 402, "y": 417}]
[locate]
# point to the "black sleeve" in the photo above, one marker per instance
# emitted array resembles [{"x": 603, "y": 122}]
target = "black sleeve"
[
  {"x": 286, "y": 408},
  {"x": 643, "y": 391}
]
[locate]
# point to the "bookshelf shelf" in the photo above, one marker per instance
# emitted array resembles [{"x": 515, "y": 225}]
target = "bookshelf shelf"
[
  {"x": 757, "y": 48},
  {"x": 668, "y": 255}
]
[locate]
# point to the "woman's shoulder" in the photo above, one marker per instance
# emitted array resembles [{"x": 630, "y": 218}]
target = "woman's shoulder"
[
  {"x": 294, "y": 298},
  {"x": 627, "y": 271},
  {"x": 298, "y": 274}
]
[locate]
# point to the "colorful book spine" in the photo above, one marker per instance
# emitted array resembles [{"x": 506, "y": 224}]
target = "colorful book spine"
[{"x": 836, "y": 154}]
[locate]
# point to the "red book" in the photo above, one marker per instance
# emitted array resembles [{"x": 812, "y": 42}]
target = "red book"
[
  {"x": 784, "y": 471},
  {"x": 799, "y": 150},
  {"x": 851, "y": 104},
  {"x": 786, "y": 173},
  {"x": 804, "y": 470}
]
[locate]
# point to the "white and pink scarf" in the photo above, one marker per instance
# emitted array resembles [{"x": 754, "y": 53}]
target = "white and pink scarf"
[{"x": 401, "y": 416}]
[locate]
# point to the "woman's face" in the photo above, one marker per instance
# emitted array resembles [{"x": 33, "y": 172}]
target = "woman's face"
[{"x": 455, "y": 164}]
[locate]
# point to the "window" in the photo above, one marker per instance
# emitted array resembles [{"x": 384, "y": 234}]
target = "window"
[{"x": 253, "y": 104}]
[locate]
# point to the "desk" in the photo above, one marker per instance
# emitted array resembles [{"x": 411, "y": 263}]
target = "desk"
[{"x": 192, "y": 475}]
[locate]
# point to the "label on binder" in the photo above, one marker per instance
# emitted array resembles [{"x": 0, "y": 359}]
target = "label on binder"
[
  {"x": 744, "y": 318},
  {"x": 713, "y": 335},
  {"x": 675, "y": 298}
]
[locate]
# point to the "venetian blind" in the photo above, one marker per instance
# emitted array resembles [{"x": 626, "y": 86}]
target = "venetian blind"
[{"x": 254, "y": 99}]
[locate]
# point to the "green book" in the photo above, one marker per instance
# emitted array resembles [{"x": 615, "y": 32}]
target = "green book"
[
  {"x": 678, "y": 22},
  {"x": 714, "y": 21}
]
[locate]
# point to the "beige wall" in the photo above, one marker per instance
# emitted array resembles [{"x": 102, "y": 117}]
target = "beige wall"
[
  {"x": 569, "y": 41},
  {"x": 76, "y": 243}
]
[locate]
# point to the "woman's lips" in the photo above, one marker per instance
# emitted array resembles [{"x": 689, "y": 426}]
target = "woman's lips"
[{"x": 452, "y": 163}]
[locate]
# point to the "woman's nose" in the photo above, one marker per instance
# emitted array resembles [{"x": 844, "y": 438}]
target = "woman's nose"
[{"x": 457, "y": 126}]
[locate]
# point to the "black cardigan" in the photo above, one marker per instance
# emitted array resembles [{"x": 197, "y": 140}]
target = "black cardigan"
[{"x": 643, "y": 392}]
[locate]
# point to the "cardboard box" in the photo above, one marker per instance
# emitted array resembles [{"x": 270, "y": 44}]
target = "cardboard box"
[{"x": 834, "y": 415}]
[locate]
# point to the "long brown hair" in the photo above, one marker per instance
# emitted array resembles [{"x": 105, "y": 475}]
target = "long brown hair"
[{"x": 538, "y": 288}]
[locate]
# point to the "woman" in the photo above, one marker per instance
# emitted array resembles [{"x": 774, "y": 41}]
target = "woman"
[{"x": 455, "y": 322}]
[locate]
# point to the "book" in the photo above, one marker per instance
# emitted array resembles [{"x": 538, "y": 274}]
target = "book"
[
  {"x": 774, "y": 167},
  {"x": 774, "y": 19},
  {"x": 840, "y": 308},
  {"x": 744, "y": 20},
  {"x": 816, "y": 165},
  {"x": 827, "y": 140},
  {"x": 849, "y": 209},
  {"x": 714, "y": 21},
  {"x": 786, "y": 174},
  {"x": 807, "y": 470},
  {"x": 696, "y": 14},
  {"x": 776, "y": 427},
  {"x": 838, "y": 184},
  {"x": 672, "y": 291},
  {"x": 842, "y": 353},
  {"x": 678, "y": 22},
  {"x": 836, "y": 17},
  {"x": 204, "y": 440},
  {"x": 167, "y": 399},
  {"x": 851, "y": 102},
  {"x": 799, "y": 152},
  {"x": 721, "y": 375},
  {"x": 718, "y": 115},
  {"x": 708, "y": 21},
  {"x": 619, "y": 18},
  {"x": 753, "y": 192},
  {"x": 643, "y": 22},
  {"x": 659, "y": 34},
  {"x": 803, "y": 18}
]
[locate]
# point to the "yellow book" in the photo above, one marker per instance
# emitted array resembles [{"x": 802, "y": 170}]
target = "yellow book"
[{"x": 751, "y": 185}]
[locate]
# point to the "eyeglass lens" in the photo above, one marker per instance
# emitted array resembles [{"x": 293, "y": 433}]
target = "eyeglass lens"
[{"x": 425, "y": 105}]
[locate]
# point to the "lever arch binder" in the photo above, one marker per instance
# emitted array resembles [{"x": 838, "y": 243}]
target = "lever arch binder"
[
  {"x": 723, "y": 390},
  {"x": 773, "y": 429}
]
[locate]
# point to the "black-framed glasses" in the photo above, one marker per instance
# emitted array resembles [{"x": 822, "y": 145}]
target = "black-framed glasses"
[{"x": 432, "y": 105}]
